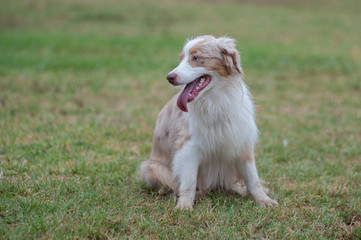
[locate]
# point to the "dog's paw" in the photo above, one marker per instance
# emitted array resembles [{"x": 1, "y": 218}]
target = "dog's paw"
[
  {"x": 267, "y": 202},
  {"x": 240, "y": 189},
  {"x": 185, "y": 204}
]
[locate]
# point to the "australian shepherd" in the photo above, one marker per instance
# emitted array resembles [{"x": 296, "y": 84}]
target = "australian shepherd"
[{"x": 205, "y": 136}]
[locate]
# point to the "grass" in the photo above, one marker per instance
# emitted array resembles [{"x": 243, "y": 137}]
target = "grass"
[{"x": 81, "y": 83}]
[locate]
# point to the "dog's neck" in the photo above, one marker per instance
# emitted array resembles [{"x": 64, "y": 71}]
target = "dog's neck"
[
  {"x": 221, "y": 98},
  {"x": 221, "y": 115}
]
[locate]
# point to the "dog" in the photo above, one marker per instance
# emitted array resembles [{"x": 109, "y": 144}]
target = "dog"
[{"x": 205, "y": 135}]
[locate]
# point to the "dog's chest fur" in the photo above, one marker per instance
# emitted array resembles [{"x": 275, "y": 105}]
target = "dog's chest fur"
[{"x": 222, "y": 124}]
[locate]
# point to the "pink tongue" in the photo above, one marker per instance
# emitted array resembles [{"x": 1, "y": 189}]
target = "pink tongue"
[{"x": 183, "y": 97}]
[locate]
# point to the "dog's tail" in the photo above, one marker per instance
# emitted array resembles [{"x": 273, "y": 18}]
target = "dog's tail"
[{"x": 157, "y": 175}]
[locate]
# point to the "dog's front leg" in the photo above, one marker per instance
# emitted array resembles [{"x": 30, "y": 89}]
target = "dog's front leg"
[
  {"x": 254, "y": 186},
  {"x": 185, "y": 169}
]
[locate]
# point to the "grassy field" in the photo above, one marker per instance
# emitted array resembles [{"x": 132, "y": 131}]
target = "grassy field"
[{"x": 82, "y": 82}]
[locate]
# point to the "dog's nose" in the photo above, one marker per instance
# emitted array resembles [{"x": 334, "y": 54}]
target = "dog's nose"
[{"x": 171, "y": 78}]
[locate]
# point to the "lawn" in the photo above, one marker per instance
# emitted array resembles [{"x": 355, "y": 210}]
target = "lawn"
[{"x": 82, "y": 82}]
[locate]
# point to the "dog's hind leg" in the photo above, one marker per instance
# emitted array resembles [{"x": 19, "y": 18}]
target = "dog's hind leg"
[
  {"x": 240, "y": 188},
  {"x": 157, "y": 175}
]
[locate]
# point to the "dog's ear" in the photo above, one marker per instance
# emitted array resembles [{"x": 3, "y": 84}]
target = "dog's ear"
[
  {"x": 191, "y": 38},
  {"x": 230, "y": 55}
]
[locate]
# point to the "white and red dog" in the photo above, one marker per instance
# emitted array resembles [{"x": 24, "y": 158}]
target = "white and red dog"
[{"x": 205, "y": 136}]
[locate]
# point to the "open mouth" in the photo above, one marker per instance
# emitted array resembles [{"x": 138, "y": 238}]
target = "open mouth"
[{"x": 191, "y": 91}]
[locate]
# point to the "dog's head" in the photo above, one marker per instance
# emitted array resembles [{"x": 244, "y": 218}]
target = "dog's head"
[{"x": 204, "y": 59}]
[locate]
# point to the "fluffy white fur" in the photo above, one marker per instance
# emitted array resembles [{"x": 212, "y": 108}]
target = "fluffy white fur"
[{"x": 212, "y": 145}]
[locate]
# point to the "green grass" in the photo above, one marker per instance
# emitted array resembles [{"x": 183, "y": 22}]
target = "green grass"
[{"x": 82, "y": 82}]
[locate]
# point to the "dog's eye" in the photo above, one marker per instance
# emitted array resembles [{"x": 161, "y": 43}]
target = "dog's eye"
[{"x": 195, "y": 58}]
